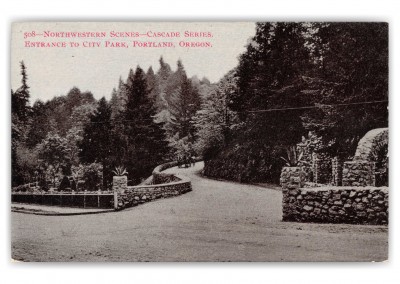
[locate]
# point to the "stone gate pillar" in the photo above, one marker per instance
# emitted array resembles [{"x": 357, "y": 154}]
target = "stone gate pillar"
[
  {"x": 322, "y": 168},
  {"x": 292, "y": 179},
  {"x": 120, "y": 183},
  {"x": 337, "y": 171}
]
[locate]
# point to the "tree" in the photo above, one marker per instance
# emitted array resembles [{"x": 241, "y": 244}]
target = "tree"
[
  {"x": 80, "y": 115},
  {"x": 27, "y": 161},
  {"x": 59, "y": 115},
  {"x": 96, "y": 144},
  {"x": 73, "y": 138},
  {"x": 153, "y": 85},
  {"x": 270, "y": 76},
  {"x": 151, "y": 81},
  {"x": 165, "y": 70},
  {"x": 145, "y": 139},
  {"x": 353, "y": 68},
  {"x": 204, "y": 86},
  {"x": 60, "y": 109},
  {"x": 340, "y": 70},
  {"x": 182, "y": 101},
  {"x": 20, "y": 98},
  {"x": 118, "y": 99},
  {"x": 215, "y": 120},
  {"x": 20, "y": 111},
  {"x": 174, "y": 82},
  {"x": 88, "y": 176},
  {"x": 39, "y": 126},
  {"x": 183, "y": 107},
  {"x": 53, "y": 151}
]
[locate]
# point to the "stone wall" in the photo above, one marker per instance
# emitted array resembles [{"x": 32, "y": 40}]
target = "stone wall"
[
  {"x": 135, "y": 195},
  {"x": 164, "y": 186},
  {"x": 332, "y": 204},
  {"x": 358, "y": 173},
  {"x": 352, "y": 197}
]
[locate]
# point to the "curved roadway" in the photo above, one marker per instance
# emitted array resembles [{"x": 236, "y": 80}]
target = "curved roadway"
[{"x": 217, "y": 221}]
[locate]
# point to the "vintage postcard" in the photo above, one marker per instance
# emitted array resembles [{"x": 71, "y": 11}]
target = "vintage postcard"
[{"x": 199, "y": 141}]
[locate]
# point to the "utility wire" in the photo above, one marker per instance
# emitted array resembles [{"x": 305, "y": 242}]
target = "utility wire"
[
  {"x": 316, "y": 106},
  {"x": 251, "y": 111}
]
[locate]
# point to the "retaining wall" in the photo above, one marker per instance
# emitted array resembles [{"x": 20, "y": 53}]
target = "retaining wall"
[
  {"x": 332, "y": 204},
  {"x": 164, "y": 185}
]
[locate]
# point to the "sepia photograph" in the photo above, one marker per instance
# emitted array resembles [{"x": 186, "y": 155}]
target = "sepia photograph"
[{"x": 261, "y": 141}]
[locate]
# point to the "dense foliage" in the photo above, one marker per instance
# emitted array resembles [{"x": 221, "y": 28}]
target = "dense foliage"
[
  {"x": 300, "y": 77},
  {"x": 147, "y": 121},
  {"x": 352, "y": 68}
]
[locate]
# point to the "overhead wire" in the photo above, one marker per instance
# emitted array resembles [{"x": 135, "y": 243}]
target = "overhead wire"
[{"x": 254, "y": 111}]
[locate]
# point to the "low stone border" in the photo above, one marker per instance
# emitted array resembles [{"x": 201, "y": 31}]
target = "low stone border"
[{"x": 164, "y": 185}]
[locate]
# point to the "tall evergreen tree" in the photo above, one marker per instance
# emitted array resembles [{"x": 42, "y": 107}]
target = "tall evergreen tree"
[
  {"x": 146, "y": 145},
  {"x": 20, "y": 98},
  {"x": 174, "y": 81},
  {"x": 21, "y": 112},
  {"x": 165, "y": 70},
  {"x": 114, "y": 102},
  {"x": 118, "y": 99},
  {"x": 153, "y": 86},
  {"x": 269, "y": 76},
  {"x": 183, "y": 107},
  {"x": 151, "y": 78}
]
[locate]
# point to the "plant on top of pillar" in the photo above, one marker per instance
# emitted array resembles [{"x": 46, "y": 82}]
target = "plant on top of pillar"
[
  {"x": 293, "y": 159},
  {"x": 120, "y": 171}
]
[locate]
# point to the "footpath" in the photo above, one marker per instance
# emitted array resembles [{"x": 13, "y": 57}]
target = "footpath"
[{"x": 54, "y": 210}]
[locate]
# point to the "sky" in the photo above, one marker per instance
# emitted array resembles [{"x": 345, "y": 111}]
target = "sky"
[{"x": 53, "y": 71}]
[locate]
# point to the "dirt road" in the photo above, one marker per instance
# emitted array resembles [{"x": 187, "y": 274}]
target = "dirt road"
[{"x": 217, "y": 221}]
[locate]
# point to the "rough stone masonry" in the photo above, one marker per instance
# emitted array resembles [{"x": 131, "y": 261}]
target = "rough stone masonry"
[
  {"x": 332, "y": 204},
  {"x": 164, "y": 186}
]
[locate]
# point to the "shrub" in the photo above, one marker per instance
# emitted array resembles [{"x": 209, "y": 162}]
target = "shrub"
[
  {"x": 89, "y": 176},
  {"x": 21, "y": 188}
]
